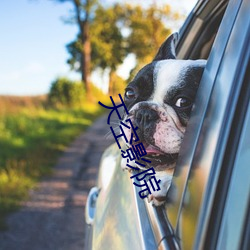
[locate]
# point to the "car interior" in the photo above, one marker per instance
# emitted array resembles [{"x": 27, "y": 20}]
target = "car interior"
[{"x": 205, "y": 22}]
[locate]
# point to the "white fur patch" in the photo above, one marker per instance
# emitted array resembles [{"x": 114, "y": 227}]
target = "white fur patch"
[
  {"x": 169, "y": 73},
  {"x": 165, "y": 183}
]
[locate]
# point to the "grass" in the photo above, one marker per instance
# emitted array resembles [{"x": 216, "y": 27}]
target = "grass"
[{"x": 31, "y": 139}]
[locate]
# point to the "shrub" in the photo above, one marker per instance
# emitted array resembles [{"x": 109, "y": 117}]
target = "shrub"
[
  {"x": 119, "y": 85},
  {"x": 65, "y": 92},
  {"x": 98, "y": 95}
]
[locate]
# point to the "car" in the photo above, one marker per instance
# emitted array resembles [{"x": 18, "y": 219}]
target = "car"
[{"x": 208, "y": 203}]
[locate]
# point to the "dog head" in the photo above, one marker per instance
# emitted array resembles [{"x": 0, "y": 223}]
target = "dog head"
[{"x": 159, "y": 100}]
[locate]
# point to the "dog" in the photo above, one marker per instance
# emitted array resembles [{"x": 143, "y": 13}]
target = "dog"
[{"x": 159, "y": 100}]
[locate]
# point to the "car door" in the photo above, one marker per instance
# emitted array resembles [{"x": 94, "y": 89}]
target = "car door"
[
  {"x": 209, "y": 168},
  {"x": 121, "y": 220}
]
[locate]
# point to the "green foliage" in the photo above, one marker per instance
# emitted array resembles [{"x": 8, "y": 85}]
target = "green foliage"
[
  {"x": 107, "y": 43},
  {"x": 98, "y": 95},
  {"x": 108, "y": 48},
  {"x": 31, "y": 139},
  {"x": 116, "y": 85},
  {"x": 67, "y": 93},
  {"x": 74, "y": 48},
  {"x": 120, "y": 85},
  {"x": 148, "y": 30}
]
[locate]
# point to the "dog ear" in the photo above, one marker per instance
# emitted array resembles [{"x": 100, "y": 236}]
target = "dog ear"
[{"x": 167, "y": 49}]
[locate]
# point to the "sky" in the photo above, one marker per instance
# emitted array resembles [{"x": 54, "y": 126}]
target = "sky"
[{"x": 32, "y": 44}]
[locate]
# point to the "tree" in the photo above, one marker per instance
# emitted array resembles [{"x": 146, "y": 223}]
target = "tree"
[
  {"x": 148, "y": 31},
  {"x": 83, "y": 15},
  {"x": 119, "y": 30},
  {"x": 108, "y": 48}
]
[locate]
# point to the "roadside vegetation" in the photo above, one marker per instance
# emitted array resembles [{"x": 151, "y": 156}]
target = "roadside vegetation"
[{"x": 34, "y": 131}]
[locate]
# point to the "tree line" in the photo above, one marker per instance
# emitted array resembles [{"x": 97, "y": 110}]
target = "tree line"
[{"x": 107, "y": 34}]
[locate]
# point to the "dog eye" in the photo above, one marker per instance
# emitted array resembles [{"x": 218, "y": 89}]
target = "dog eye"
[
  {"x": 183, "y": 102},
  {"x": 130, "y": 94}
]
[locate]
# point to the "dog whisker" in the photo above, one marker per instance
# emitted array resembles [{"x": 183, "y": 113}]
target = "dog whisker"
[
  {"x": 109, "y": 133},
  {"x": 115, "y": 123}
]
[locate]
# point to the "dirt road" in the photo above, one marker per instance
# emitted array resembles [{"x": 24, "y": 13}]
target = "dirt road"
[{"x": 53, "y": 218}]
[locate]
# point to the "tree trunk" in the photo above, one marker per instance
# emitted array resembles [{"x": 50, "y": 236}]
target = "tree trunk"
[{"x": 86, "y": 58}]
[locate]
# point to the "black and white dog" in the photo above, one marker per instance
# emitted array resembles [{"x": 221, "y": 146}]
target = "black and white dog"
[{"x": 159, "y": 101}]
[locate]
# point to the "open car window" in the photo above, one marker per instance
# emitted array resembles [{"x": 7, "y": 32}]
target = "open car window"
[{"x": 196, "y": 41}]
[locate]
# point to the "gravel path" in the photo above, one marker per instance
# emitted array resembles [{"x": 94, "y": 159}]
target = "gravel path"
[{"x": 53, "y": 218}]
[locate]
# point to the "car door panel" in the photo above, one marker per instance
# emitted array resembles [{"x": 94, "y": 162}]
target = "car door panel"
[{"x": 117, "y": 223}]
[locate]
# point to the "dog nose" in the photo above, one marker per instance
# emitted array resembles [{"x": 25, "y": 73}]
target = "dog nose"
[{"x": 145, "y": 118}]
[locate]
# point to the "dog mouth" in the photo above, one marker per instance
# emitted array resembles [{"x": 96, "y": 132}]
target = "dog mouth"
[{"x": 157, "y": 157}]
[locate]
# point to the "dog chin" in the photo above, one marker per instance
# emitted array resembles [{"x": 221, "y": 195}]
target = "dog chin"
[
  {"x": 161, "y": 162},
  {"x": 167, "y": 167}
]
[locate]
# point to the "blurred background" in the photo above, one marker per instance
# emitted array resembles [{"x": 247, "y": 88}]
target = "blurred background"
[{"x": 58, "y": 58}]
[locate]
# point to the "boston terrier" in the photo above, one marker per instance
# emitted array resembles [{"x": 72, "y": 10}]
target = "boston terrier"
[{"x": 159, "y": 100}]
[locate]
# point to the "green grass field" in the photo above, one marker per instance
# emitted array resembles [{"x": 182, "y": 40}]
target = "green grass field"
[{"x": 31, "y": 139}]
